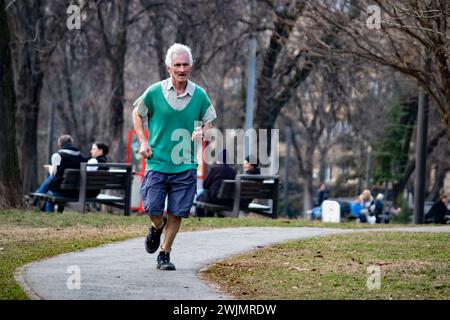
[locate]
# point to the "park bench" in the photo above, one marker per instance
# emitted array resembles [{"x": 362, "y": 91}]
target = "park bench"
[
  {"x": 117, "y": 177},
  {"x": 246, "y": 187}
]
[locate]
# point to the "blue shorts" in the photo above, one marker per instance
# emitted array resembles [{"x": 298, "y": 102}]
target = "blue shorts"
[{"x": 180, "y": 189}]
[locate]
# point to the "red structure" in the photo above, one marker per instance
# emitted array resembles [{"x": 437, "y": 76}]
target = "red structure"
[{"x": 138, "y": 163}]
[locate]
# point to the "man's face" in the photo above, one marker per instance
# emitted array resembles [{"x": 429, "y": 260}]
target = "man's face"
[{"x": 180, "y": 68}]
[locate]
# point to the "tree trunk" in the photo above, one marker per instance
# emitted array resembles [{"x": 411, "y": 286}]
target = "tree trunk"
[
  {"x": 307, "y": 177},
  {"x": 265, "y": 117},
  {"x": 28, "y": 54},
  {"x": 308, "y": 192},
  {"x": 220, "y": 104},
  {"x": 399, "y": 186},
  {"x": 116, "y": 50},
  {"x": 10, "y": 186},
  {"x": 159, "y": 47},
  {"x": 441, "y": 173},
  {"x": 323, "y": 164},
  {"x": 115, "y": 125},
  {"x": 72, "y": 122},
  {"x": 29, "y": 85}
]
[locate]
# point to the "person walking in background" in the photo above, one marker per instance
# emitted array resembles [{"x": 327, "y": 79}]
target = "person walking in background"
[{"x": 172, "y": 105}]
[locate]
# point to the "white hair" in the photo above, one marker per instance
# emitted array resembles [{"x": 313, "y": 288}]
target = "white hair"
[
  {"x": 178, "y": 48},
  {"x": 380, "y": 196}
]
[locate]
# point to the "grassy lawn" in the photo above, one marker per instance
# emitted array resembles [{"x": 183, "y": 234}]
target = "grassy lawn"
[
  {"x": 26, "y": 236},
  {"x": 412, "y": 265}
]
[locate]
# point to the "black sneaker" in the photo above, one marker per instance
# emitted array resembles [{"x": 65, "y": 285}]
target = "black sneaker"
[
  {"x": 163, "y": 261},
  {"x": 153, "y": 238}
]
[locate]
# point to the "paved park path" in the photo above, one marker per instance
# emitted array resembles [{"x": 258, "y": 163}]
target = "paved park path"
[{"x": 124, "y": 270}]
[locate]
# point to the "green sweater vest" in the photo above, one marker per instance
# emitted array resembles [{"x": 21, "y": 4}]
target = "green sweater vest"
[{"x": 170, "y": 130}]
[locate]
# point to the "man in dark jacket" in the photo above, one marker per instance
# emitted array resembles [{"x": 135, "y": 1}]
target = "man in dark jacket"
[
  {"x": 438, "y": 211},
  {"x": 67, "y": 157},
  {"x": 220, "y": 171}
]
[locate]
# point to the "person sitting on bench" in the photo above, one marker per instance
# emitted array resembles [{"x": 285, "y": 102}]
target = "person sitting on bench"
[
  {"x": 220, "y": 171},
  {"x": 251, "y": 166},
  {"x": 438, "y": 211},
  {"x": 68, "y": 157},
  {"x": 99, "y": 151}
]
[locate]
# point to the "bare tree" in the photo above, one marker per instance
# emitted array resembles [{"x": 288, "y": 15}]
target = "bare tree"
[
  {"x": 113, "y": 18},
  {"x": 10, "y": 187},
  {"x": 412, "y": 32},
  {"x": 317, "y": 113},
  {"x": 269, "y": 104},
  {"x": 36, "y": 28}
]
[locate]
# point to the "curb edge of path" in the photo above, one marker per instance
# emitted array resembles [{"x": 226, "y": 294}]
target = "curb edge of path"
[
  {"x": 20, "y": 279},
  {"x": 20, "y": 271}
]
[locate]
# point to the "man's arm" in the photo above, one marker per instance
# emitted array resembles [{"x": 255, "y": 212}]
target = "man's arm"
[{"x": 138, "y": 123}]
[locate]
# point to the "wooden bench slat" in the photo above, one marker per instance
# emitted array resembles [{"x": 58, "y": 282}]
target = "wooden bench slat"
[
  {"x": 249, "y": 187},
  {"x": 112, "y": 179}
]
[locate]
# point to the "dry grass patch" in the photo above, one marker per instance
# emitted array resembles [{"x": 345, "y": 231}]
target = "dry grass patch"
[{"x": 412, "y": 265}]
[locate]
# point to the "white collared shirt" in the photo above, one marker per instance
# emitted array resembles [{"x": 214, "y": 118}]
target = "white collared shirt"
[{"x": 177, "y": 102}]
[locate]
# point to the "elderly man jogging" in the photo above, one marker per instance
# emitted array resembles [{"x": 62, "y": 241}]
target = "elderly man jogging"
[{"x": 172, "y": 107}]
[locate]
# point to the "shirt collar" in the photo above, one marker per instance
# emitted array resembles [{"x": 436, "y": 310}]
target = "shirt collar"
[{"x": 190, "y": 88}]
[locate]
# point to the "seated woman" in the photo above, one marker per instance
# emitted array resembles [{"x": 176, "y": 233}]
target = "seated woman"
[
  {"x": 99, "y": 151},
  {"x": 251, "y": 165},
  {"x": 220, "y": 171}
]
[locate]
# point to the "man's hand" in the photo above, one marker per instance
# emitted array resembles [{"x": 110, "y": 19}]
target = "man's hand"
[
  {"x": 146, "y": 150},
  {"x": 197, "y": 135}
]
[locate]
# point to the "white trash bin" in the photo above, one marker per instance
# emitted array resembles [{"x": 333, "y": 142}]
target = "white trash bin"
[{"x": 331, "y": 211}]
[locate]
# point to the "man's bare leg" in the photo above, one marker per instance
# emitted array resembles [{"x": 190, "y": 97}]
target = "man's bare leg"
[
  {"x": 172, "y": 227},
  {"x": 157, "y": 222},
  {"x": 153, "y": 239}
]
